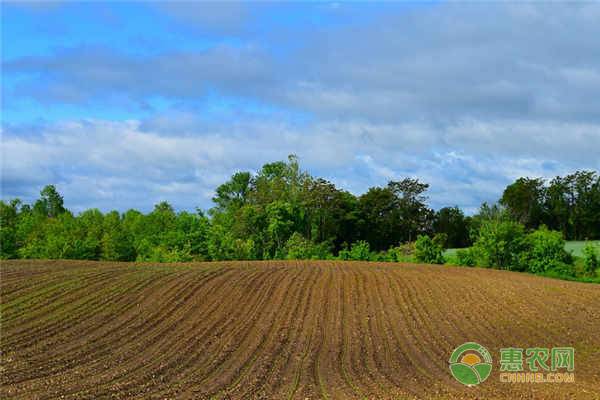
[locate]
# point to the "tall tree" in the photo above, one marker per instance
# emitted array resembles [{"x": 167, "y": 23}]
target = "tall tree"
[
  {"x": 573, "y": 204},
  {"x": 379, "y": 222},
  {"x": 416, "y": 216},
  {"x": 331, "y": 213},
  {"x": 9, "y": 216},
  {"x": 524, "y": 200},
  {"x": 50, "y": 202},
  {"x": 395, "y": 213},
  {"x": 234, "y": 193},
  {"x": 452, "y": 222}
]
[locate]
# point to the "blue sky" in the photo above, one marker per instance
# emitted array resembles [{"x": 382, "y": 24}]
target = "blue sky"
[{"x": 121, "y": 105}]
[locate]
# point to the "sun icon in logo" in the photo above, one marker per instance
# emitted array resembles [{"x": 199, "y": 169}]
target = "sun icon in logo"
[{"x": 470, "y": 363}]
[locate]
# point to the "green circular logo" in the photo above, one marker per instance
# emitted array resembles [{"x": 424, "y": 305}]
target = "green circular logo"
[{"x": 470, "y": 364}]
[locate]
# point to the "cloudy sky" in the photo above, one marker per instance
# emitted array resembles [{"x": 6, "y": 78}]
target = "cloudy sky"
[{"x": 121, "y": 105}]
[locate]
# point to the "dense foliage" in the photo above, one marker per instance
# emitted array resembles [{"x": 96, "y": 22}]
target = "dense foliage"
[
  {"x": 591, "y": 264},
  {"x": 283, "y": 212},
  {"x": 499, "y": 244},
  {"x": 505, "y": 244},
  {"x": 428, "y": 250},
  {"x": 569, "y": 204}
]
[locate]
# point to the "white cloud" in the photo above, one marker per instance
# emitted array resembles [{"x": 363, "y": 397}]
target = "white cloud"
[
  {"x": 466, "y": 97},
  {"x": 119, "y": 165}
]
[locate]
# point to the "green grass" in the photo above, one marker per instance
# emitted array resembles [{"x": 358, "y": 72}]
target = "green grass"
[
  {"x": 450, "y": 252},
  {"x": 575, "y": 247},
  {"x": 585, "y": 279}
]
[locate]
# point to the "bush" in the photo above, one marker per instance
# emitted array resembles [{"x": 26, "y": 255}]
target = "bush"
[
  {"x": 243, "y": 249},
  {"x": 299, "y": 248},
  {"x": 383, "y": 256},
  {"x": 500, "y": 244},
  {"x": 504, "y": 245},
  {"x": 403, "y": 253},
  {"x": 590, "y": 260},
  {"x": 150, "y": 253},
  {"x": 406, "y": 252},
  {"x": 466, "y": 257},
  {"x": 428, "y": 251},
  {"x": 359, "y": 251},
  {"x": 441, "y": 239},
  {"x": 223, "y": 246},
  {"x": 546, "y": 251}
]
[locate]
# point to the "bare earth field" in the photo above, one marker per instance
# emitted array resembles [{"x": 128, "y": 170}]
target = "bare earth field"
[{"x": 281, "y": 330}]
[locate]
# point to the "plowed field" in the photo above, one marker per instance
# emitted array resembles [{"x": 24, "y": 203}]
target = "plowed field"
[{"x": 281, "y": 330}]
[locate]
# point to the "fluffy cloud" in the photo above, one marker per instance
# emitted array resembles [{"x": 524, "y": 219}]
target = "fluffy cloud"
[
  {"x": 466, "y": 97},
  {"x": 120, "y": 165}
]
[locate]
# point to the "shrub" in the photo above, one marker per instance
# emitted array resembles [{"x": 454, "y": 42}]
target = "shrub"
[
  {"x": 590, "y": 260},
  {"x": 402, "y": 253},
  {"x": 428, "y": 251},
  {"x": 299, "y": 248},
  {"x": 223, "y": 246},
  {"x": 243, "y": 249},
  {"x": 384, "y": 256},
  {"x": 160, "y": 253},
  {"x": 406, "y": 252},
  {"x": 546, "y": 251},
  {"x": 499, "y": 244},
  {"x": 441, "y": 239},
  {"x": 466, "y": 257},
  {"x": 359, "y": 251}
]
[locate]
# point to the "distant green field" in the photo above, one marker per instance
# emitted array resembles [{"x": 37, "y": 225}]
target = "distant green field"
[
  {"x": 574, "y": 246},
  {"x": 450, "y": 252}
]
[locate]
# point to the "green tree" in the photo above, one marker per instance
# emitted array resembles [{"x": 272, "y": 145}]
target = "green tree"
[
  {"x": 62, "y": 237},
  {"x": 487, "y": 213},
  {"x": 280, "y": 220},
  {"x": 299, "y": 248},
  {"x": 467, "y": 257},
  {"x": 590, "y": 259},
  {"x": 379, "y": 222},
  {"x": 116, "y": 243},
  {"x": 546, "y": 251},
  {"x": 573, "y": 205},
  {"x": 428, "y": 251},
  {"x": 524, "y": 201},
  {"x": 499, "y": 244},
  {"x": 394, "y": 214},
  {"x": 279, "y": 181},
  {"x": 50, "y": 203},
  {"x": 330, "y": 214},
  {"x": 89, "y": 226},
  {"x": 452, "y": 222},
  {"x": 586, "y": 210},
  {"x": 234, "y": 193},
  {"x": 359, "y": 251},
  {"x": 220, "y": 243},
  {"x": 415, "y": 216},
  {"x": 9, "y": 220}
]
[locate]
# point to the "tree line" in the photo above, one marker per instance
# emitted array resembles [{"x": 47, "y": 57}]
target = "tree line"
[
  {"x": 569, "y": 204},
  {"x": 283, "y": 212}
]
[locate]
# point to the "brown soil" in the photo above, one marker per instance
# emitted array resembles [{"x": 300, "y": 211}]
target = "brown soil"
[{"x": 281, "y": 330}]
